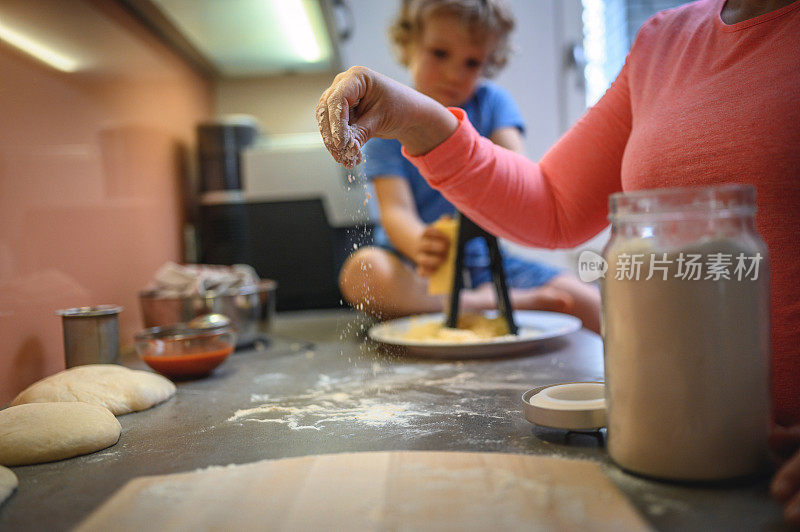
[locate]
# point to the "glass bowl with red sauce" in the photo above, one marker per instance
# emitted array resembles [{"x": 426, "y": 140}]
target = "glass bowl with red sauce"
[{"x": 180, "y": 352}]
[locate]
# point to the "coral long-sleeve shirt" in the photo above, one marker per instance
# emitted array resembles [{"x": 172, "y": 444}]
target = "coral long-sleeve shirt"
[{"x": 698, "y": 103}]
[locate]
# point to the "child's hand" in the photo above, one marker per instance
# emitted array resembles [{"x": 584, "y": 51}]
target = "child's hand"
[
  {"x": 361, "y": 104},
  {"x": 786, "y": 482},
  {"x": 431, "y": 251}
]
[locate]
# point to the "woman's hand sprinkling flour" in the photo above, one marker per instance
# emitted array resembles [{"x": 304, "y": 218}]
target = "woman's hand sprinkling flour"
[{"x": 361, "y": 104}]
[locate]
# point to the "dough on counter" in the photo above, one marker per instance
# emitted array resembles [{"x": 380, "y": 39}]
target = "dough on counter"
[
  {"x": 8, "y": 483},
  {"x": 114, "y": 387},
  {"x": 45, "y": 432}
]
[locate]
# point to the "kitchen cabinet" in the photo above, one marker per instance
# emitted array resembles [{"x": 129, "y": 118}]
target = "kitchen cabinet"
[{"x": 246, "y": 38}]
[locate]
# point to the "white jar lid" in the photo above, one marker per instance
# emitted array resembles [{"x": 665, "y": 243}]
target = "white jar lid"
[{"x": 571, "y": 405}]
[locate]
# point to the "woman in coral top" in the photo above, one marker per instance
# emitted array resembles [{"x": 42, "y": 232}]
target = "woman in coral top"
[{"x": 709, "y": 94}]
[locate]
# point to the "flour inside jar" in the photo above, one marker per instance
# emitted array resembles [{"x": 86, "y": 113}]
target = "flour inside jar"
[{"x": 687, "y": 357}]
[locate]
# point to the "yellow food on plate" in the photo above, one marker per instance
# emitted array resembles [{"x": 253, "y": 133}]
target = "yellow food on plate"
[
  {"x": 471, "y": 328},
  {"x": 441, "y": 280}
]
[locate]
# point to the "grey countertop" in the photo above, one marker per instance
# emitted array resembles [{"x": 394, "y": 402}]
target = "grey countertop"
[{"x": 315, "y": 387}]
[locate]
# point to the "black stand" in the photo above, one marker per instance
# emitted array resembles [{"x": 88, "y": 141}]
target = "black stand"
[{"x": 467, "y": 230}]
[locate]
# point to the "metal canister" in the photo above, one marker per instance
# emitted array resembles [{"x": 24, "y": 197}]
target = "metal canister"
[{"x": 91, "y": 335}]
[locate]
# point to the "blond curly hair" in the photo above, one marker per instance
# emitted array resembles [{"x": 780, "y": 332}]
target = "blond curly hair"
[{"x": 490, "y": 17}]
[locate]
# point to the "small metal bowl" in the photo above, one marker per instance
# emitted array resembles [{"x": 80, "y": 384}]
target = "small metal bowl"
[
  {"x": 181, "y": 352},
  {"x": 250, "y": 309}
]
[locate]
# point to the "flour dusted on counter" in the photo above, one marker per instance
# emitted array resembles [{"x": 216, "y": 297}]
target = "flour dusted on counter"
[
  {"x": 395, "y": 399},
  {"x": 364, "y": 411},
  {"x": 177, "y": 280},
  {"x": 330, "y": 401}
]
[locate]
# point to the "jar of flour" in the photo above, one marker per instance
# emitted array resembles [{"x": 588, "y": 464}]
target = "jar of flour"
[{"x": 686, "y": 334}]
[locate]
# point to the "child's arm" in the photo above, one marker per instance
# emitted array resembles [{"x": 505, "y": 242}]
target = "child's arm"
[
  {"x": 423, "y": 244},
  {"x": 510, "y": 138}
]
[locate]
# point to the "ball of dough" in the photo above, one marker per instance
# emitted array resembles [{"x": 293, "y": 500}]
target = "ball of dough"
[
  {"x": 45, "y": 432},
  {"x": 8, "y": 483},
  {"x": 114, "y": 387}
]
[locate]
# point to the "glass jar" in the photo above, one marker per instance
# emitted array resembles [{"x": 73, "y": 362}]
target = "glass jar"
[{"x": 686, "y": 334}]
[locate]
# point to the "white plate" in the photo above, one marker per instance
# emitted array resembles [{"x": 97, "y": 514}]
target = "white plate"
[{"x": 534, "y": 327}]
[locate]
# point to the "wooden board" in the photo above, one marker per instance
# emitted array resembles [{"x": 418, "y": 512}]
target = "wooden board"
[{"x": 376, "y": 491}]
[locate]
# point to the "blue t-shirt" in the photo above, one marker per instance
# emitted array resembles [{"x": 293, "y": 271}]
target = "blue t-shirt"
[{"x": 489, "y": 109}]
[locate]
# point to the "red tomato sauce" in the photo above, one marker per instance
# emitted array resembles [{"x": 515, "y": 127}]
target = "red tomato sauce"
[{"x": 189, "y": 364}]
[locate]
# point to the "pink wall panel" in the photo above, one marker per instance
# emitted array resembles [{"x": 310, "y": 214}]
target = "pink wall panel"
[{"x": 91, "y": 169}]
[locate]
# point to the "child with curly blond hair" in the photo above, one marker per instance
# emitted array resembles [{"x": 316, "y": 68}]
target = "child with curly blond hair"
[{"x": 449, "y": 47}]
